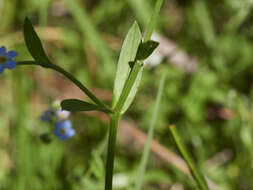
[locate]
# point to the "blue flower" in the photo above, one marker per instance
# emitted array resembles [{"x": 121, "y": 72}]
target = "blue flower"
[
  {"x": 6, "y": 59},
  {"x": 64, "y": 130},
  {"x": 47, "y": 115},
  {"x": 62, "y": 114}
]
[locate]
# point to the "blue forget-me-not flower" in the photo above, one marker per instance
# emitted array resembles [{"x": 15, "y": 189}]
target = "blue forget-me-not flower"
[
  {"x": 6, "y": 59},
  {"x": 62, "y": 114},
  {"x": 64, "y": 130},
  {"x": 62, "y": 126},
  {"x": 47, "y": 115}
]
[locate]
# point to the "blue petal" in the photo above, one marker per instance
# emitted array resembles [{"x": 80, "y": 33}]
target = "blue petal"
[
  {"x": 2, "y": 50},
  {"x": 58, "y": 125},
  {"x": 71, "y": 133},
  {"x": 67, "y": 124},
  {"x": 43, "y": 117},
  {"x": 10, "y": 64},
  {"x": 11, "y": 54},
  {"x": 47, "y": 115},
  {"x": 57, "y": 132},
  {"x": 63, "y": 137},
  {"x": 1, "y": 68}
]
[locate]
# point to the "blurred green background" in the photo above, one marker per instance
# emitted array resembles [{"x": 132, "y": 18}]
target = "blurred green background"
[{"x": 206, "y": 48}]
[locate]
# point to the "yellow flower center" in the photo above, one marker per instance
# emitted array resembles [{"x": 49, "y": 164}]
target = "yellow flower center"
[
  {"x": 63, "y": 131},
  {"x": 62, "y": 115}
]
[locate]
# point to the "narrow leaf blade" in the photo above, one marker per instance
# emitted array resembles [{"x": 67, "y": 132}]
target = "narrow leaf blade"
[
  {"x": 133, "y": 91},
  {"x": 127, "y": 54},
  {"x": 34, "y": 44},
  {"x": 75, "y": 105},
  {"x": 146, "y": 49}
]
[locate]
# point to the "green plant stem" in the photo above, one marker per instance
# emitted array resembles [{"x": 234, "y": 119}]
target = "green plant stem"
[
  {"x": 137, "y": 66},
  {"x": 145, "y": 155},
  {"x": 128, "y": 86},
  {"x": 195, "y": 172},
  {"x": 71, "y": 78},
  {"x": 123, "y": 97},
  {"x": 114, "y": 119},
  {"x": 153, "y": 20}
]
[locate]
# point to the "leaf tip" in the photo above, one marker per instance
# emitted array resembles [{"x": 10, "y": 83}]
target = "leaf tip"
[
  {"x": 136, "y": 26},
  {"x": 26, "y": 19},
  {"x": 27, "y": 22}
]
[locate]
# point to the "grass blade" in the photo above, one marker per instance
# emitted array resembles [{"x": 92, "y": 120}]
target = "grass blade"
[
  {"x": 145, "y": 155},
  {"x": 205, "y": 22},
  {"x": 90, "y": 33},
  {"x": 195, "y": 172}
]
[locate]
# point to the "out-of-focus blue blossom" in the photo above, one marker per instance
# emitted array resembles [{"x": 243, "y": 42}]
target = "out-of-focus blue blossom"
[
  {"x": 47, "y": 115},
  {"x": 62, "y": 126},
  {"x": 6, "y": 59},
  {"x": 64, "y": 130},
  {"x": 62, "y": 114}
]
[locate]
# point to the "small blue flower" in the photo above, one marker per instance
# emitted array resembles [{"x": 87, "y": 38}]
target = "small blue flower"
[
  {"x": 6, "y": 59},
  {"x": 47, "y": 115},
  {"x": 64, "y": 130},
  {"x": 62, "y": 114}
]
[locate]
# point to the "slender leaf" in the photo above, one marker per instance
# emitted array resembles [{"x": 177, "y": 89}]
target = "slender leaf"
[
  {"x": 127, "y": 54},
  {"x": 133, "y": 91},
  {"x": 34, "y": 44},
  {"x": 75, "y": 105},
  {"x": 198, "y": 176},
  {"x": 146, "y": 49},
  {"x": 145, "y": 154},
  {"x": 205, "y": 22}
]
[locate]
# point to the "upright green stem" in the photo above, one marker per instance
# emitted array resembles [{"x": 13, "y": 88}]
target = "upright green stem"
[
  {"x": 145, "y": 155},
  {"x": 195, "y": 172},
  {"x": 137, "y": 66},
  {"x": 111, "y": 150},
  {"x": 153, "y": 20},
  {"x": 128, "y": 86},
  {"x": 71, "y": 78},
  {"x": 123, "y": 97}
]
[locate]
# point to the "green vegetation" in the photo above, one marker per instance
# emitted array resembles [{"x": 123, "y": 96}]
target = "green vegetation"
[{"x": 207, "y": 95}]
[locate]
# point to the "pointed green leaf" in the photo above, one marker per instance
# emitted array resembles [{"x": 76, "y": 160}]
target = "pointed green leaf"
[
  {"x": 146, "y": 49},
  {"x": 75, "y": 105},
  {"x": 127, "y": 54},
  {"x": 133, "y": 91},
  {"x": 34, "y": 44}
]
